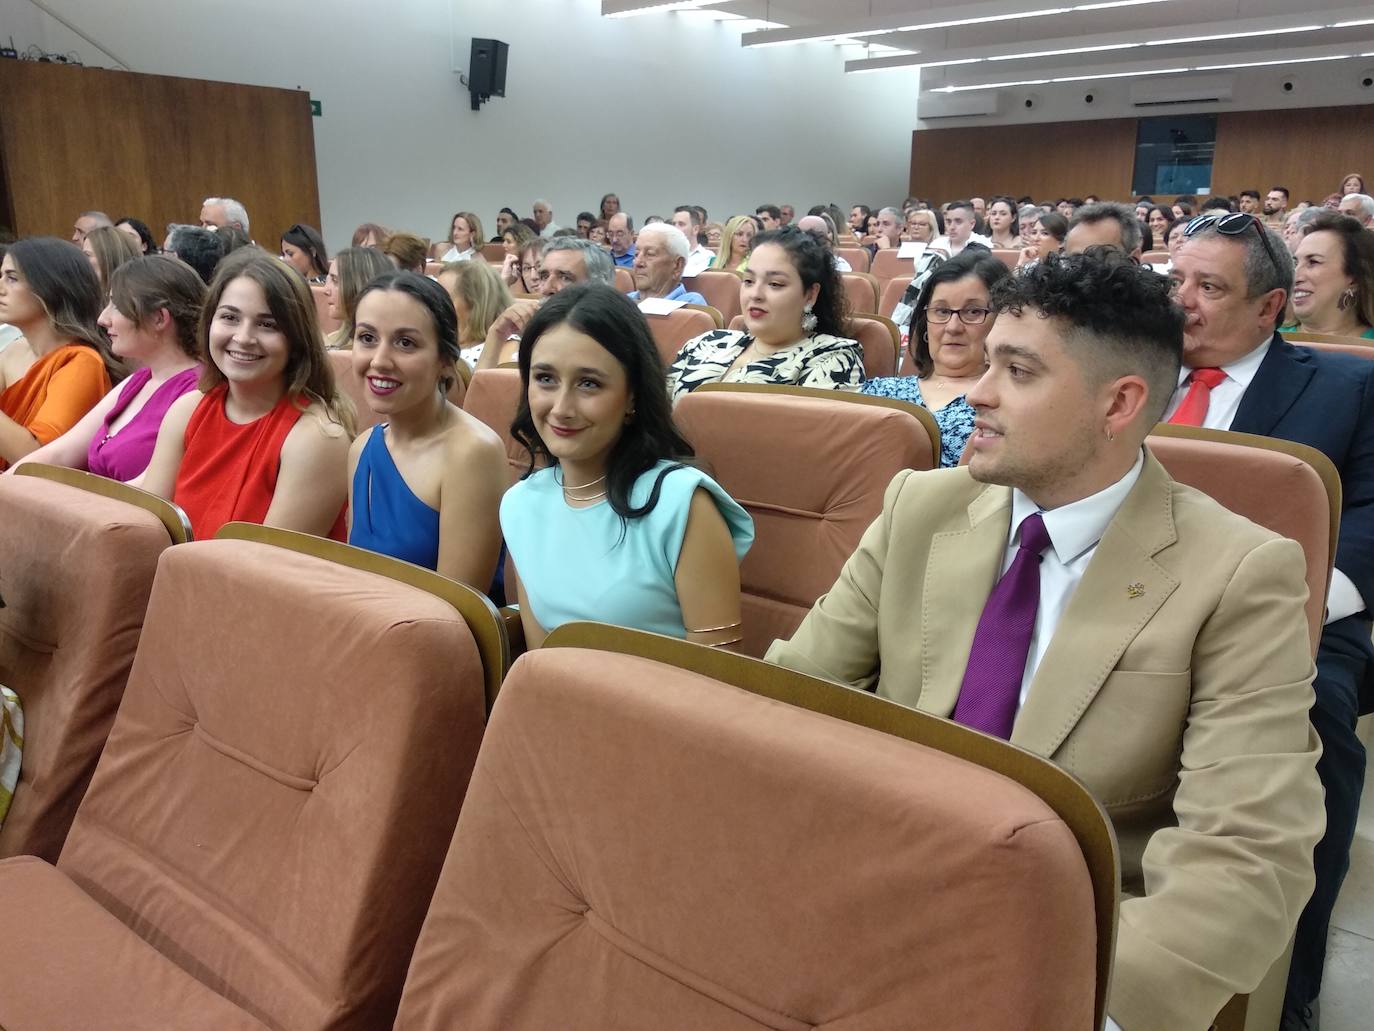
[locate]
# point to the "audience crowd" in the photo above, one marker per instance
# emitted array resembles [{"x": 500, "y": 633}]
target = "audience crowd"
[{"x": 1047, "y": 339}]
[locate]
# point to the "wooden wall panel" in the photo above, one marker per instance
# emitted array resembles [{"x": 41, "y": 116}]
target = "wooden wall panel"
[
  {"x": 1049, "y": 160},
  {"x": 151, "y": 146},
  {"x": 1307, "y": 150}
]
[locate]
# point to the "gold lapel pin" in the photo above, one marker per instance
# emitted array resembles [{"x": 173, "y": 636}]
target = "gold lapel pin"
[{"x": 1135, "y": 590}]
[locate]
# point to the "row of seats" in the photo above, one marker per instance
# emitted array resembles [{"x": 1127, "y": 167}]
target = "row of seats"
[
  {"x": 316, "y": 830},
  {"x": 71, "y": 682}
]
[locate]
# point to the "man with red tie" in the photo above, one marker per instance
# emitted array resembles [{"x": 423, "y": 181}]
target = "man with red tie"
[
  {"x": 1233, "y": 277},
  {"x": 1063, "y": 592}
]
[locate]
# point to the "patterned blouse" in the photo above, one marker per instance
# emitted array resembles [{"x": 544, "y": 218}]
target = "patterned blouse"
[
  {"x": 954, "y": 419},
  {"x": 827, "y": 362}
]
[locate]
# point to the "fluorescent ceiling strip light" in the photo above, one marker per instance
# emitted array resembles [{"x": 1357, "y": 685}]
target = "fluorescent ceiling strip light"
[
  {"x": 957, "y": 22},
  {"x": 1351, "y": 24},
  {"x": 1265, "y": 64},
  {"x": 1060, "y": 53},
  {"x": 669, "y": 5},
  {"x": 1151, "y": 71},
  {"x": 1233, "y": 35}
]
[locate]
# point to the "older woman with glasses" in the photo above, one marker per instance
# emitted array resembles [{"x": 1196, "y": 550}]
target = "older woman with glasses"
[{"x": 949, "y": 324}]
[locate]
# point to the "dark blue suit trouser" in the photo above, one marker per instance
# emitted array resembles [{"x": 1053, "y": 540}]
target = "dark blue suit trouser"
[{"x": 1342, "y": 666}]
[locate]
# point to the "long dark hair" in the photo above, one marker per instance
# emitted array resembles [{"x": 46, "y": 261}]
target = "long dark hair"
[
  {"x": 308, "y": 239},
  {"x": 975, "y": 261},
  {"x": 814, "y": 264},
  {"x": 434, "y": 299},
  {"x": 58, "y": 274},
  {"x": 612, "y": 320}
]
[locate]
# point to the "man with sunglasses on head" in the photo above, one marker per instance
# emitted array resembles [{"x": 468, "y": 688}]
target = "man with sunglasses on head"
[{"x": 1233, "y": 276}]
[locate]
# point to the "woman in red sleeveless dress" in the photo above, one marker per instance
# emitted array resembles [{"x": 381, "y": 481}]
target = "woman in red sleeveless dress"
[{"x": 265, "y": 438}]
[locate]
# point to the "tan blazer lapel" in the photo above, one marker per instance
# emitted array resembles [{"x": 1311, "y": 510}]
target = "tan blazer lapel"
[
  {"x": 1121, "y": 590},
  {"x": 960, "y": 572}
]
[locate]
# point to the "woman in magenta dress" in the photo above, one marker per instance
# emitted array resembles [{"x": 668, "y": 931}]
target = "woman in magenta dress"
[
  {"x": 265, "y": 438},
  {"x": 151, "y": 319}
]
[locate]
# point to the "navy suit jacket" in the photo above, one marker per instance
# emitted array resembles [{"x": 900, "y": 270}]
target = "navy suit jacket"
[{"x": 1326, "y": 400}]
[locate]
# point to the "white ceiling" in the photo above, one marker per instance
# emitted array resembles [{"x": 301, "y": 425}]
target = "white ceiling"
[{"x": 1113, "y": 40}]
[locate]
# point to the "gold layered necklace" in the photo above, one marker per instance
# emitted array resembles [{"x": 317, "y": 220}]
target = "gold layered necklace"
[{"x": 568, "y": 496}]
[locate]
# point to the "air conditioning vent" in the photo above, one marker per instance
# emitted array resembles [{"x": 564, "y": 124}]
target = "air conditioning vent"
[
  {"x": 957, "y": 105},
  {"x": 1189, "y": 90}
]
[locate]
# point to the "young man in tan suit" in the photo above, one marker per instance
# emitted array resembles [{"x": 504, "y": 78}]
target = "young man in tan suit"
[{"x": 1064, "y": 592}]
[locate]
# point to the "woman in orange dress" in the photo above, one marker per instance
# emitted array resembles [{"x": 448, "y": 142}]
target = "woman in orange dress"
[
  {"x": 47, "y": 290},
  {"x": 265, "y": 439}
]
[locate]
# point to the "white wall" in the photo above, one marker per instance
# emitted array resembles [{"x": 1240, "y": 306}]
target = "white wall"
[
  {"x": 663, "y": 109},
  {"x": 1336, "y": 84}
]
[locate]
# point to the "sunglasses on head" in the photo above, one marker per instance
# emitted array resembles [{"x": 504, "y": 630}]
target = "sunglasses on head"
[{"x": 1233, "y": 224}]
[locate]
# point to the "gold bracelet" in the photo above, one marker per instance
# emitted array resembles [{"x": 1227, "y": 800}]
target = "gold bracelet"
[
  {"x": 713, "y": 629},
  {"x": 725, "y": 644}
]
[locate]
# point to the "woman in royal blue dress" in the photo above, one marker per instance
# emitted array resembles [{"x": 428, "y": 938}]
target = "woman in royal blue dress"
[{"x": 426, "y": 482}]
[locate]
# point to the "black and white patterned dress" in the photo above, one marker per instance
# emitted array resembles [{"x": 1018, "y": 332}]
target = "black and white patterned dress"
[{"x": 827, "y": 362}]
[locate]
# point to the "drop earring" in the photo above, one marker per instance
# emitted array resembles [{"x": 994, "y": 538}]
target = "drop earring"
[
  {"x": 808, "y": 321},
  {"x": 1346, "y": 299}
]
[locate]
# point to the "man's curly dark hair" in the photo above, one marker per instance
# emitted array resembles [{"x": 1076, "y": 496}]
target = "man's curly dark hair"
[{"x": 1121, "y": 317}]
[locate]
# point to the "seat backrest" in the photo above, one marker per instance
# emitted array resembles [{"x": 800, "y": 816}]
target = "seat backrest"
[
  {"x": 273, "y": 806},
  {"x": 820, "y": 515},
  {"x": 76, "y": 570},
  {"x": 721, "y": 290},
  {"x": 856, "y": 256},
  {"x": 494, "y": 253},
  {"x": 494, "y": 397},
  {"x": 816, "y": 873},
  {"x": 673, "y": 330},
  {"x": 1289, "y": 488},
  {"x": 1339, "y": 345},
  {"x": 862, "y": 290},
  {"x": 1006, "y": 256},
  {"x": 355, "y": 387},
  {"x": 887, "y": 266},
  {"x": 624, "y": 280},
  {"x": 892, "y": 293},
  {"x": 328, "y": 324},
  {"x": 1154, "y": 257},
  {"x": 876, "y": 335}
]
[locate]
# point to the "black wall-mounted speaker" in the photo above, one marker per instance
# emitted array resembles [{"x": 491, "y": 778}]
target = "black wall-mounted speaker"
[{"x": 487, "y": 70}]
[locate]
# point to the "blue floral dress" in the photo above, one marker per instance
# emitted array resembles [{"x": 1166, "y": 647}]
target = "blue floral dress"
[{"x": 954, "y": 419}]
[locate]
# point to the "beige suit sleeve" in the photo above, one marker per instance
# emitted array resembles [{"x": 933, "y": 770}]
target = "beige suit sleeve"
[
  {"x": 1223, "y": 889},
  {"x": 838, "y": 639}
]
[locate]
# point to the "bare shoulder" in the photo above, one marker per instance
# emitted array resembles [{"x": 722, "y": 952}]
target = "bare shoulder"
[
  {"x": 317, "y": 419},
  {"x": 469, "y": 439},
  {"x": 180, "y": 410},
  {"x": 316, "y": 434}
]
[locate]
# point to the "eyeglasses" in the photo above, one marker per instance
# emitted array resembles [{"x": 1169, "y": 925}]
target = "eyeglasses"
[
  {"x": 968, "y": 316},
  {"x": 1233, "y": 224}
]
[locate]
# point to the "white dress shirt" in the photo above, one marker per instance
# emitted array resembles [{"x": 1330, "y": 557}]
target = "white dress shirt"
[
  {"x": 1226, "y": 395},
  {"x": 841, "y": 265},
  {"x": 1074, "y": 530},
  {"x": 1343, "y": 598},
  {"x": 942, "y": 243},
  {"x": 549, "y": 229},
  {"x": 454, "y": 254},
  {"x": 698, "y": 261}
]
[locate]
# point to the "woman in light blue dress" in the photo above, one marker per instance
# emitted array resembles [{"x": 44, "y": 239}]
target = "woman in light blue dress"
[
  {"x": 617, "y": 528},
  {"x": 949, "y": 325}
]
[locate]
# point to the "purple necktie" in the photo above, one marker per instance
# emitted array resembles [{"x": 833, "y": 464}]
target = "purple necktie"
[{"x": 997, "y": 661}]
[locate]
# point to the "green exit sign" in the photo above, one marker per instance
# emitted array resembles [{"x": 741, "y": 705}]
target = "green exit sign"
[{"x": 317, "y": 108}]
